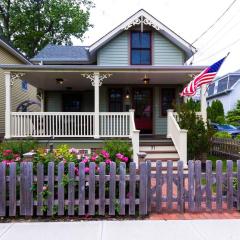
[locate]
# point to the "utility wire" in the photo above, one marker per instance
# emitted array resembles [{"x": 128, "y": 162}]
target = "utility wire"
[
  {"x": 218, "y": 19},
  {"x": 222, "y": 33},
  {"x": 223, "y": 49}
]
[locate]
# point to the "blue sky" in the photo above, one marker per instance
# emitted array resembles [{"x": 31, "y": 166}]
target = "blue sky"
[{"x": 188, "y": 18}]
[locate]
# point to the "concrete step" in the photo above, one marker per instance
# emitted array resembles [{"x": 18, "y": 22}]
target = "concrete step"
[
  {"x": 163, "y": 155},
  {"x": 148, "y": 148}
]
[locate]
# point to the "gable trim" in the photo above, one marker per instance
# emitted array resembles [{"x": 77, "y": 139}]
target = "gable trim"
[{"x": 143, "y": 17}]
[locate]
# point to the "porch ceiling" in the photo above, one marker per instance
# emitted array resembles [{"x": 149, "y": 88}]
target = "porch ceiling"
[{"x": 44, "y": 77}]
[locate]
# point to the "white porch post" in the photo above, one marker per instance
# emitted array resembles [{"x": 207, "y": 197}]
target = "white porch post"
[
  {"x": 8, "y": 105},
  {"x": 96, "y": 84},
  {"x": 204, "y": 103}
]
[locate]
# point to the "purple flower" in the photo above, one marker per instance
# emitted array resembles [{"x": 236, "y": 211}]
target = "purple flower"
[
  {"x": 73, "y": 151},
  {"x": 119, "y": 156},
  {"x": 105, "y": 154},
  {"x": 108, "y": 161}
]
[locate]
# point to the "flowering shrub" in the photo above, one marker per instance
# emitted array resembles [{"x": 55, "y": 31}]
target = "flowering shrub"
[{"x": 113, "y": 151}]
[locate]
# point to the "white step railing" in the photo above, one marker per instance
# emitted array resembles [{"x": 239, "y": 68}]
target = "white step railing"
[
  {"x": 69, "y": 124},
  {"x": 178, "y": 136}
]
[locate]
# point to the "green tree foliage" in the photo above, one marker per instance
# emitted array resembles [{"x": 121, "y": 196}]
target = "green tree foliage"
[
  {"x": 193, "y": 105},
  {"x": 215, "y": 112},
  {"x": 198, "y": 134},
  {"x": 32, "y": 24},
  {"x": 222, "y": 135},
  {"x": 233, "y": 117}
]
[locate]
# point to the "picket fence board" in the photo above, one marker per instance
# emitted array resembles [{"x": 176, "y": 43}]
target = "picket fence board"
[
  {"x": 238, "y": 184},
  {"x": 198, "y": 190},
  {"x": 12, "y": 190},
  {"x": 71, "y": 188},
  {"x": 229, "y": 184},
  {"x": 112, "y": 189},
  {"x": 40, "y": 184},
  {"x": 122, "y": 188},
  {"x": 2, "y": 189},
  {"x": 132, "y": 188},
  {"x": 50, "y": 196},
  {"x": 180, "y": 187},
  {"x": 91, "y": 206},
  {"x": 191, "y": 185},
  {"x": 219, "y": 183},
  {"x": 159, "y": 186},
  {"x": 102, "y": 185},
  {"x": 81, "y": 189},
  {"x": 60, "y": 189}
]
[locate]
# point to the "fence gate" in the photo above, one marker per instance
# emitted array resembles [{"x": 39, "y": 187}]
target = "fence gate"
[{"x": 193, "y": 190}]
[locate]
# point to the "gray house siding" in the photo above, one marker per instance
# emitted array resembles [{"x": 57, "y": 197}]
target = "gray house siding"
[
  {"x": 115, "y": 52},
  {"x": 165, "y": 52}
]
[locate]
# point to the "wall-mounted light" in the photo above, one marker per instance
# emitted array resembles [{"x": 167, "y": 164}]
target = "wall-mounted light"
[
  {"x": 60, "y": 81},
  {"x": 127, "y": 95},
  {"x": 146, "y": 80}
]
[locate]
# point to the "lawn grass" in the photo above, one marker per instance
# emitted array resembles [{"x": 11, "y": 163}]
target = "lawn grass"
[{"x": 214, "y": 160}]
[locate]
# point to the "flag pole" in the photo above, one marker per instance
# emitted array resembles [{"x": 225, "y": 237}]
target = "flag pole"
[{"x": 204, "y": 103}]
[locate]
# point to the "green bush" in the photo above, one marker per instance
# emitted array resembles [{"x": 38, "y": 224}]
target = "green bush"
[
  {"x": 215, "y": 112},
  {"x": 222, "y": 135},
  {"x": 118, "y": 146},
  {"x": 233, "y": 117},
  {"x": 198, "y": 134},
  {"x": 238, "y": 137},
  {"x": 19, "y": 146}
]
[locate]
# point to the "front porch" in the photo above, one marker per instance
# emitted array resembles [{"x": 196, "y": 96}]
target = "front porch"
[{"x": 116, "y": 102}]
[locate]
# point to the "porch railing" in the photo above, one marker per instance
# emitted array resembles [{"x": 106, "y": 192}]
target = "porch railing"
[{"x": 69, "y": 124}]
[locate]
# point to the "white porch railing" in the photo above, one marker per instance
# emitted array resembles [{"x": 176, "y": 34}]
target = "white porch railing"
[
  {"x": 178, "y": 136},
  {"x": 69, "y": 124}
]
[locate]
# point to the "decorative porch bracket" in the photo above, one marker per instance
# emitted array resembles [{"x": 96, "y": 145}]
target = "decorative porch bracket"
[{"x": 96, "y": 80}]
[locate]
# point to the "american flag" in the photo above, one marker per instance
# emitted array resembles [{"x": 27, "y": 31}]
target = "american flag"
[{"x": 205, "y": 77}]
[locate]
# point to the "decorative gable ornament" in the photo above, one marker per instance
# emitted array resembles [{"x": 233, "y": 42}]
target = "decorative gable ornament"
[{"x": 142, "y": 21}]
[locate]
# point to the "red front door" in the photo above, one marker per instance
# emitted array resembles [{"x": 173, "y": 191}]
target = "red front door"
[{"x": 142, "y": 103}]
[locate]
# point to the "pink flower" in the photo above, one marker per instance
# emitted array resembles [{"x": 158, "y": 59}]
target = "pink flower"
[
  {"x": 45, "y": 188},
  {"x": 119, "y": 156},
  {"x": 64, "y": 161},
  {"x": 73, "y": 151},
  {"x": 125, "y": 159},
  {"x": 17, "y": 159},
  {"x": 108, "y": 161},
  {"x": 7, "y": 152},
  {"x": 105, "y": 154},
  {"x": 86, "y": 169},
  {"x": 86, "y": 159},
  {"x": 94, "y": 157}
]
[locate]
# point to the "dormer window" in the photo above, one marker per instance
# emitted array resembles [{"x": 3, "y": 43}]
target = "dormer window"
[{"x": 140, "y": 48}]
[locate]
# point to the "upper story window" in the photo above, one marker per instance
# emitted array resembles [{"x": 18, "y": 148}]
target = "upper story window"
[
  {"x": 222, "y": 85},
  {"x": 24, "y": 85},
  {"x": 211, "y": 89},
  {"x": 140, "y": 48}
]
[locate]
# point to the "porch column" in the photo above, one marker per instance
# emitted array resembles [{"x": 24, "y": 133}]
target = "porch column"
[
  {"x": 204, "y": 103},
  {"x": 8, "y": 105},
  {"x": 96, "y": 85}
]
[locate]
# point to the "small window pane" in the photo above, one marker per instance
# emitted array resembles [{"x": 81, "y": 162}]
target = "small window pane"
[
  {"x": 24, "y": 85},
  {"x": 233, "y": 80},
  {"x": 211, "y": 89},
  {"x": 146, "y": 43},
  {"x": 136, "y": 56},
  {"x": 145, "y": 57},
  {"x": 222, "y": 85},
  {"x": 136, "y": 40},
  {"x": 115, "y": 100}
]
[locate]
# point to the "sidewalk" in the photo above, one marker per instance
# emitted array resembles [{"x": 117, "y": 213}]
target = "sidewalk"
[{"x": 123, "y": 230}]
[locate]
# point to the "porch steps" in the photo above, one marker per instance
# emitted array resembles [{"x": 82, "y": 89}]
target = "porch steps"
[{"x": 161, "y": 149}]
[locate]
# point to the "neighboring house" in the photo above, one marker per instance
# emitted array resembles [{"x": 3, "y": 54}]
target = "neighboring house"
[
  {"x": 226, "y": 89},
  {"x": 21, "y": 90},
  {"x": 88, "y": 92}
]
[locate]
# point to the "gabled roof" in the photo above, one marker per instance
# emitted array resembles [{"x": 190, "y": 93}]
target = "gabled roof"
[
  {"x": 147, "y": 19},
  {"x": 8, "y": 47},
  {"x": 60, "y": 53}
]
